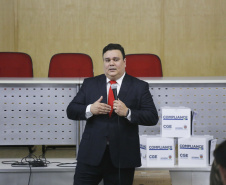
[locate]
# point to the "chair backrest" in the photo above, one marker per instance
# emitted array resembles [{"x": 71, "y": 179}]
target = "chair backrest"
[
  {"x": 143, "y": 65},
  {"x": 71, "y": 65},
  {"x": 15, "y": 64}
]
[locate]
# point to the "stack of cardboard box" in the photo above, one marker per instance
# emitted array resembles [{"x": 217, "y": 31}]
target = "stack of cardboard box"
[{"x": 176, "y": 127}]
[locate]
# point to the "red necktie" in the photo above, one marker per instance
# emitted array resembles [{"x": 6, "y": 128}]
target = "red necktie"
[{"x": 111, "y": 97}]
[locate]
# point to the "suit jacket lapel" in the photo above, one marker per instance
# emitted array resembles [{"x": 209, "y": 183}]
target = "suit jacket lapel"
[
  {"x": 124, "y": 87},
  {"x": 103, "y": 88}
]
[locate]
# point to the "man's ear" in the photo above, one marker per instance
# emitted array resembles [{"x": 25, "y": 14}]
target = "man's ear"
[{"x": 222, "y": 171}]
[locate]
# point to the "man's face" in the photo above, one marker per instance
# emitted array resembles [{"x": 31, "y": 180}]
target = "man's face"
[{"x": 114, "y": 65}]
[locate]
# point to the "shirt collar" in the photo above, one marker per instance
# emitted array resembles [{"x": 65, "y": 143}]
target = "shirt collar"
[{"x": 119, "y": 81}]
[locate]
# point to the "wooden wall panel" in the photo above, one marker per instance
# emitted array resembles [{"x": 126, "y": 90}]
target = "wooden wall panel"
[
  {"x": 51, "y": 26},
  {"x": 187, "y": 35},
  {"x": 7, "y": 22},
  {"x": 195, "y": 38}
]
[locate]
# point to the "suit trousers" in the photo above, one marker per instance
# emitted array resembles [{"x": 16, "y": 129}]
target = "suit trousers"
[{"x": 92, "y": 175}]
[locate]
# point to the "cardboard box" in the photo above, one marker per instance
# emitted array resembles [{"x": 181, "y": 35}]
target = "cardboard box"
[
  {"x": 212, "y": 146},
  {"x": 176, "y": 122},
  {"x": 143, "y": 150},
  {"x": 152, "y": 177},
  {"x": 194, "y": 151},
  {"x": 157, "y": 151}
]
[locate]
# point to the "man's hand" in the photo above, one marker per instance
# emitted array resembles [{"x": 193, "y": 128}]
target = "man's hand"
[
  {"x": 120, "y": 108},
  {"x": 100, "y": 108}
]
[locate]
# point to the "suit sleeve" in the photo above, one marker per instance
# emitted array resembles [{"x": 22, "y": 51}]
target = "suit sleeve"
[
  {"x": 146, "y": 114},
  {"x": 77, "y": 107}
]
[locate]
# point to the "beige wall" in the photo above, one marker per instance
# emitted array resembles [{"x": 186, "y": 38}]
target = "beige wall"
[{"x": 188, "y": 35}]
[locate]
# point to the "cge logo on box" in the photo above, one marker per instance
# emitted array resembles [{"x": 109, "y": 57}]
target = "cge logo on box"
[
  {"x": 153, "y": 156},
  {"x": 184, "y": 155},
  {"x": 167, "y": 126}
]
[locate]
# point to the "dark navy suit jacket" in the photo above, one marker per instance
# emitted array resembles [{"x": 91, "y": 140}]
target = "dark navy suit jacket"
[{"x": 123, "y": 135}]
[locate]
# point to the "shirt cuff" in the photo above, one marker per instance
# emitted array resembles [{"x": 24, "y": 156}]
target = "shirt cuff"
[
  {"x": 88, "y": 112},
  {"x": 129, "y": 115}
]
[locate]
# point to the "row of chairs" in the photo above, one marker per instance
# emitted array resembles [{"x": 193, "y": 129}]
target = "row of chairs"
[{"x": 16, "y": 64}]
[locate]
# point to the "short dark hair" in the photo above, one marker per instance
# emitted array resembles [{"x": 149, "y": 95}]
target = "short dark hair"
[
  {"x": 112, "y": 46},
  {"x": 220, "y": 153}
]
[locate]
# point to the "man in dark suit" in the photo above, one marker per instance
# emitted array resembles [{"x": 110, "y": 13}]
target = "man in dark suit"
[{"x": 110, "y": 148}]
